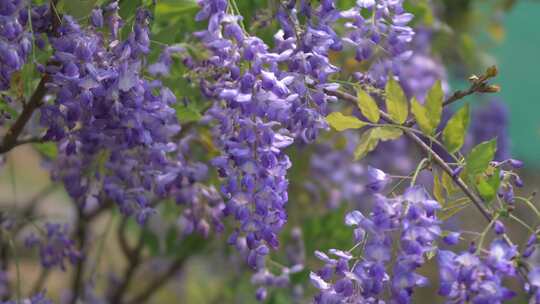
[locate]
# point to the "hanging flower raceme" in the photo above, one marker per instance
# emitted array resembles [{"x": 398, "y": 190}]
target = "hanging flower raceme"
[
  {"x": 414, "y": 213},
  {"x": 55, "y": 246},
  {"x": 15, "y": 39},
  {"x": 114, "y": 127},
  {"x": 478, "y": 279},
  {"x": 378, "y": 31}
]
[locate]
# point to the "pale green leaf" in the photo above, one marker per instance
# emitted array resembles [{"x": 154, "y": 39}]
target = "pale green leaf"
[
  {"x": 187, "y": 114},
  {"x": 396, "y": 101},
  {"x": 77, "y": 8},
  {"x": 448, "y": 184},
  {"x": 487, "y": 186},
  {"x": 370, "y": 139},
  {"x": 368, "y": 106},
  {"x": 422, "y": 118},
  {"x": 479, "y": 158},
  {"x": 47, "y": 149},
  {"x": 387, "y": 133},
  {"x": 367, "y": 144},
  {"x": 438, "y": 191},
  {"x": 456, "y": 129},
  {"x": 434, "y": 104},
  {"x": 342, "y": 122}
]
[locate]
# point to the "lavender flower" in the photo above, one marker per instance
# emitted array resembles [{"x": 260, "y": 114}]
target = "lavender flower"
[
  {"x": 414, "y": 213},
  {"x": 108, "y": 119},
  {"x": 377, "y": 179},
  {"x": 468, "y": 277},
  {"x": 55, "y": 247}
]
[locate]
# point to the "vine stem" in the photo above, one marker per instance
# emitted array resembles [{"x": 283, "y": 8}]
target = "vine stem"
[
  {"x": 36, "y": 100},
  {"x": 477, "y": 201},
  {"x": 158, "y": 282}
]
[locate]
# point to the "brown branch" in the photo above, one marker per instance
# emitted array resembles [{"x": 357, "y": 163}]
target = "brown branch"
[
  {"x": 159, "y": 282},
  {"x": 11, "y": 136},
  {"x": 40, "y": 281},
  {"x": 134, "y": 260},
  {"x": 4, "y": 260},
  {"x": 81, "y": 235}
]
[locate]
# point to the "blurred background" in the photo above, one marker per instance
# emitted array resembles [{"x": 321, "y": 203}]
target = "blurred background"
[{"x": 467, "y": 36}]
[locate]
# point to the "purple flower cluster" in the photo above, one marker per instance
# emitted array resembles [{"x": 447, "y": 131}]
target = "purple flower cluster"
[
  {"x": 509, "y": 179},
  {"x": 379, "y": 33},
  {"x": 266, "y": 98},
  {"x": 259, "y": 110},
  {"x": 114, "y": 127},
  {"x": 365, "y": 281},
  {"x": 468, "y": 277},
  {"x": 55, "y": 246},
  {"x": 420, "y": 230},
  {"x": 203, "y": 204},
  {"x": 15, "y": 39}
]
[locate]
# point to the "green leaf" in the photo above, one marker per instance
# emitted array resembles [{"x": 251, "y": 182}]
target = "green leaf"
[
  {"x": 422, "y": 118},
  {"x": 48, "y": 149},
  {"x": 438, "y": 191},
  {"x": 78, "y": 8},
  {"x": 368, "y": 106},
  {"x": 456, "y": 128},
  {"x": 187, "y": 114},
  {"x": 396, "y": 102},
  {"x": 4, "y": 107},
  {"x": 387, "y": 133},
  {"x": 368, "y": 143},
  {"x": 448, "y": 184},
  {"x": 342, "y": 122},
  {"x": 151, "y": 241},
  {"x": 478, "y": 160},
  {"x": 176, "y": 8},
  {"x": 487, "y": 187},
  {"x": 434, "y": 104},
  {"x": 370, "y": 139}
]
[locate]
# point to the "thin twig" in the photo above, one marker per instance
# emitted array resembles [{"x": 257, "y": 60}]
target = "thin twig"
[
  {"x": 134, "y": 260},
  {"x": 10, "y": 138},
  {"x": 81, "y": 235},
  {"x": 155, "y": 285}
]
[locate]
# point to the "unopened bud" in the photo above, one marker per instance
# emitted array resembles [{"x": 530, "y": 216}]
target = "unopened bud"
[
  {"x": 492, "y": 88},
  {"x": 492, "y": 71}
]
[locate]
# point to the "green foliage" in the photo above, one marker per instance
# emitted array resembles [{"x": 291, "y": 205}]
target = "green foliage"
[
  {"x": 187, "y": 113},
  {"x": 342, "y": 122},
  {"x": 488, "y": 186},
  {"x": 438, "y": 189},
  {"x": 456, "y": 129},
  {"x": 396, "y": 101},
  {"x": 422, "y": 117},
  {"x": 370, "y": 139},
  {"x": 479, "y": 158},
  {"x": 479, "y": 173},
  {"x": 327, "y": 231},
  {"x": 48, "y": 149},
  {"x": 4, "y": 107},
  {"x": 368, "y": 106},
  {"x": 422, "y": 11},
  {"x": 79, "y": 9},
  {"x": 429, "y": 116}
]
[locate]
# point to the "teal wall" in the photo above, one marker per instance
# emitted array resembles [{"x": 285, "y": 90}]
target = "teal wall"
[{"x": 518, "y": 59}]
